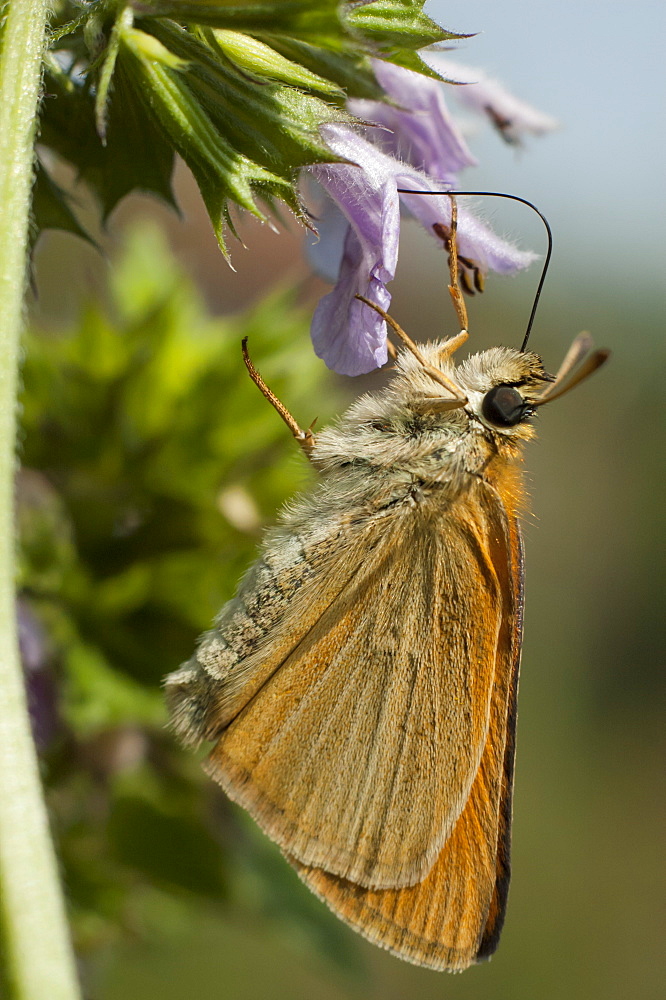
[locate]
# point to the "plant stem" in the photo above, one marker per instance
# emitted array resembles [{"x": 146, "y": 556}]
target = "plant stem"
[{"x": 37, "y": 954}]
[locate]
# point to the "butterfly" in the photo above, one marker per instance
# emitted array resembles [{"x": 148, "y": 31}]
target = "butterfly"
[{"x": 360, "y": 688}]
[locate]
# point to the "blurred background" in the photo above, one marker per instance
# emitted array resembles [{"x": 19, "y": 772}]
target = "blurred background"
[{"x": 150, "y": 465}]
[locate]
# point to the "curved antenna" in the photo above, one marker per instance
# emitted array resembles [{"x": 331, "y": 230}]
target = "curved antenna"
[{"x": 524, "y": 201}]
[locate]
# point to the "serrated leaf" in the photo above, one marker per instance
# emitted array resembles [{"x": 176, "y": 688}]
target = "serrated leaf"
[
  {"x": 51, "y": 208},
  {"x": 274, "y": 125},
  {"x": 166, "y": 85},
  {"x": 412, "y": 60},
  {"x": 106, "y": 75},
  {"x": 240, "y": 138},
  {"x": 397, "y": 23},
  {"x": 136, "y": 155},
  {"x": 62, "y": 24},
  {"x": 222, "y": 172}
]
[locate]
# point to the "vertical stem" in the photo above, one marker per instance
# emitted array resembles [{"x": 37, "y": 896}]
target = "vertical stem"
[{"x": 37, "y": 955}]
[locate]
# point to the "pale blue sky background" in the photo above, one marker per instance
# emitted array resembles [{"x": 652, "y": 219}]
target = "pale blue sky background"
[{"x": 599, "y": 68}]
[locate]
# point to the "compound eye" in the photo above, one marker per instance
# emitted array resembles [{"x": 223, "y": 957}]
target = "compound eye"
[{"x": 503, "y": 406}]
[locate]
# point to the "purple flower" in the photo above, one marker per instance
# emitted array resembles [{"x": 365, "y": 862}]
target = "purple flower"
[
  {"x": 415, "y": 145},
  {"x": 512, "y": 117},
  {"x": 348, "y": 335},
  {"x": 419, "y": 130},
  {"x": 39, "y": 680}
]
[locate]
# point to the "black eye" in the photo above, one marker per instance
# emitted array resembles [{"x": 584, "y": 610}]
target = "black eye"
[{"x": 504, "y": 406}]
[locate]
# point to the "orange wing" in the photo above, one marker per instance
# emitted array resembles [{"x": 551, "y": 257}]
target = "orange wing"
[
  {"x": 454, "y": 916},
  {"x": 358, "y": 754}
]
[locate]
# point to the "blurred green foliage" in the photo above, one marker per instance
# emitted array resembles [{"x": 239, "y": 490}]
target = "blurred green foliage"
[{"x": 149, "y": 463}]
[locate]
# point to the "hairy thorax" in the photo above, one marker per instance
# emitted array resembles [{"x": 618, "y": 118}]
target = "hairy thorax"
[{"x": 414, "y": 459}]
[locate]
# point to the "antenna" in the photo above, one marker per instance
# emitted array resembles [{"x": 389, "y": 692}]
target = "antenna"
[{"x": 523, "y": 201}]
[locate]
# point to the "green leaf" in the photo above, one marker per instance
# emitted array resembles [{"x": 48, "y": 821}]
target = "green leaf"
[
  {"x": 106, "y": 73},
  {"x": 221, "y": 171},
  {"x": 397, "y": 23},
  {"x": 274, "y": 125},
  {"x": 51, "y": 207},
  {"x": 344, "y": 64},
  {"x": 413, "y": 61},
  {"x": 243, "y": 108},
  {"x": 63, "y": 23},
  {"x": 239, "y": 138},
  {"x": 262, "y": 61},
  {"x": 137, "y": 154},
  {"x": 295, "y": 18}
]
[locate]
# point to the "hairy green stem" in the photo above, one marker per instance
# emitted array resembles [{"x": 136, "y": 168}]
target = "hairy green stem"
[{"x": 37, "y": 957}]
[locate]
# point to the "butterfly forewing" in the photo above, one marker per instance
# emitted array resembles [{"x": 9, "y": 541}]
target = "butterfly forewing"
[
  {"x": 454, "y": 916},
  {"x": 376, "y": 707},
  {"x": 280, "y": 599}
]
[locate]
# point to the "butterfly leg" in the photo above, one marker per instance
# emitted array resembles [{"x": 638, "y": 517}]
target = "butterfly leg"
[{"x": 454, "y": 287}]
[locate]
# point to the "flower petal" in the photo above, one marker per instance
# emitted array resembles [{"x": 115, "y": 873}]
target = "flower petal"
[
  {"x": 421, "y": 132},
  {"x": 348, "y": 335},
  {"x": 511, "y": 117},
  {"x": 365, "y": 191},
  {"x": 324, "y": 249},
  {"x": 475, "y": 239}
]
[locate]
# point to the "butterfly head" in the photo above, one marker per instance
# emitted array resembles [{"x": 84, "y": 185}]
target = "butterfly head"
[{"x": 500, "y": 388}]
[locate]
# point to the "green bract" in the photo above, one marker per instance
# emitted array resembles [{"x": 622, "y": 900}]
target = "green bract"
[{"x": 239, "y": 90}]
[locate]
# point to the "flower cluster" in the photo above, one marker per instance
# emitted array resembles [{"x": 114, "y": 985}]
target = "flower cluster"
[{"x": 412, "y": 145}]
